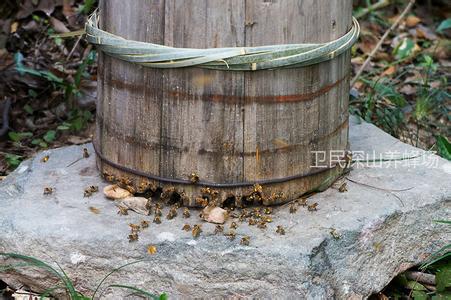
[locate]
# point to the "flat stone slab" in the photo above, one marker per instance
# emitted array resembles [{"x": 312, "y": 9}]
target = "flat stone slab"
[{"x": 378, "y": 229}]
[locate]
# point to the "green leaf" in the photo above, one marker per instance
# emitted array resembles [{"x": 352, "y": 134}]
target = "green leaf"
[
  {"x": 446, "y": 24},
  {"x": 419, "y": 295},
  {"x": 28, "y": 109},
  {"x": 50, "y": 136},
  {"x": 32, "y": 93},
  {"x": 443, "y": 279},
  {"x": 63, "y": 127},
  {"x": 444, "y": 147},
  {"x": 18, "y": 136},
  {"x": 12, "y": 160},
  {"x": 404, "y": 49},
  {"x": 413, "y": 285}
]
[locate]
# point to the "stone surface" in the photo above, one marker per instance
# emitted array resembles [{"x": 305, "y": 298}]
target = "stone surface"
[{"x": 381, "y": 232}]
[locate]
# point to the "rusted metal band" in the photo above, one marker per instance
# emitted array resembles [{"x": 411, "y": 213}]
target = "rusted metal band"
[
  {"x": 313, "y": 93},
  {"x": 207, "y": 183}
]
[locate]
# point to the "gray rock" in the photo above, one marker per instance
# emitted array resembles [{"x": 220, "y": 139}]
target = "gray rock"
[{"x": 382, "y": 232}]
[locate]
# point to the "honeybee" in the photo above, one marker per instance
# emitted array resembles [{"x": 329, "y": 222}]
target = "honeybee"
[
  {"x": 109, "y": 177},
  {"x": 252, "y": 221},
  {"x": 196, "y": 230},
  {"x": 151, "y": 249},
  {"x": 48, "y": 190},
  {"x": 206, "y": 190},
  {"x": 348, "y": 159},
  {"x": 293, "y": 208},
  {"x": 167, "y": 193},
  {"x": 257, "y": 188},
  {"x": 267, "y": 219},
  {"x": 132, "y": 237},
  {"x": 313, "y": 207},
  {"x": 280, "y": 230},
  {"x": 245, "y": 241},
  {"x": 172, "y": 213},
  {"x": 158, "y": 212},
  {"x": 131, "y": 189},
  {"x": 244, "y": 214},
  {"x": 186, "y": 212},
  {"x": 335, "y": 234},
  {"x": 194, "y": 178},
  {"x": 302, "y": 201},
  {"x": 45, "y": 159},
  {"x": 94, "y": 210},
  {"x": 125, "y": 181},
  {"x": 343, "y": 188},
  {"x": 143, "y": 186},
  {"x": 134, "y": 227},
  {"x": 233, "y": 225},
  {"x": 157, "y": 220},
  {"x": 149, "y": 207},
  {"x": 231, "y": 235},
  {"x": 262, "y": 225},
  {"x": 257, "y": 213},
  {"x": 219, "y": 229},
  {"x": 85, "y": 153},
  {"x": 90, "y": 190},
  {"x": 144, "y": 224},
  {"x": 268, "y": 210},
  {"x": 186, "y": 227},
  {"x": 203, "y": 202},
  {"x": 123, "y": 210}
]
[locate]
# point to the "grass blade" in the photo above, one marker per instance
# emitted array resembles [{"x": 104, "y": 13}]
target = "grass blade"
[
  {"x": 40, "y": 264},
  {"x": 443, "y": 222},
  {"x": 113, "y": 271},
  {"x": 138, "y": 291}
]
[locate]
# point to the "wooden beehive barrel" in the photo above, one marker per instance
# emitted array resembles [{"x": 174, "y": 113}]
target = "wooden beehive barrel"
[{"x": 226, "y": 127}]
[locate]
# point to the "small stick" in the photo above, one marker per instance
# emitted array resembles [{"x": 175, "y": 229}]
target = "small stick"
[
  {"x": 73, "y": 48},
  {"x": 391, "y": 191},
  {"x": 5, "y": 117},
  {"x": 428, "y": 279},
  {"x": 379, "y": 44},
  {"x": 378, "y": 188},
  {"x": 373, "y": 7}
]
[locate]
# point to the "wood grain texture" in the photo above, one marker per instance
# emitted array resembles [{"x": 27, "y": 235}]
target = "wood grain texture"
[{"x": 224, "y": 126}]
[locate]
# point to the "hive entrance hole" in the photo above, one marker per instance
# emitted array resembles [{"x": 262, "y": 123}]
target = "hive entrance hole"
[
  {"x": 175, "y": 198},
  {"x": 229, "y": 202}
]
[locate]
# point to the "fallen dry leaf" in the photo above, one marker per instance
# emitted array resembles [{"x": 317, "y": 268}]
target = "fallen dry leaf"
[
  {"x": 14, "y": 27},
  {"x": 137, "y": 204},
  {"x": 408, "y": 89},
  {"x": 114, "y": 192},
  {"x": 389, "y": 71},
  {"x": 214, "y": 214},
  {"x": 58, "y": 25},
  {"x": 412, "y": 21},
  {"x": 424, "y": 32}
]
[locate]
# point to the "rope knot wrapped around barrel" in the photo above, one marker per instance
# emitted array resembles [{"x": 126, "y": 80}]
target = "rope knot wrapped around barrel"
[{"x": 230, "y": 59}]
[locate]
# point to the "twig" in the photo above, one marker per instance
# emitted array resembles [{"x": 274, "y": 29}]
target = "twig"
[
  {"x": 391, "y": 191},
  {"x": 378, "y": 188},
  {"x": 73, "y": 48},
  {"x": 421, "y": 277},
  {"x": 5, "y": 117},
  {"x": 379, "y": 44},
  {"x": 373, "y": 7}
]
